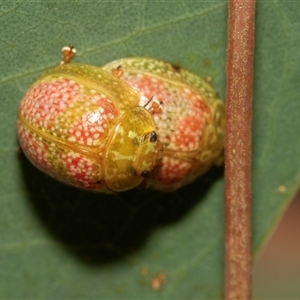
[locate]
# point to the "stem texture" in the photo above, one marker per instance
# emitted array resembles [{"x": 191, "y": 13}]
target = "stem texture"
[{"x": 240, "y": 49}]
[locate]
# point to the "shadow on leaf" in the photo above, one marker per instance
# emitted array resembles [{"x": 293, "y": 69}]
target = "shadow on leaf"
[{"x": 102, "y": 228}]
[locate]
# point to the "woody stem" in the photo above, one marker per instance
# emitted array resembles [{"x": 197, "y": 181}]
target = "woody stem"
[{"x": 240, "y": 50}]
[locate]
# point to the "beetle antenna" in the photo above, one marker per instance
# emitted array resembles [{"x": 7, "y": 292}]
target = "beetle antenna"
[{"x": 149, "y": 101}]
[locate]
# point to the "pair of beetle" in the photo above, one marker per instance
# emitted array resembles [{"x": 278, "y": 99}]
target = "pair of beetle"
[{"x": 133, "y": 122}]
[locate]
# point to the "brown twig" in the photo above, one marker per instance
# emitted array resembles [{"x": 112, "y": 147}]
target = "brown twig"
[{"x": 238, "y": 149}]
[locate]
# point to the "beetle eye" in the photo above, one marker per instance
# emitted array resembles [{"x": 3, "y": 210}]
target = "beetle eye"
[
  {"x": 145, "y": 174},
  {"x": 151, "y": 136}
]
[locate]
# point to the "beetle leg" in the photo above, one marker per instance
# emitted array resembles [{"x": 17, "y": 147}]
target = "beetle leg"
[
  {"x": 153, "y": 106},
  {"x": 118, "y": 72},
  {"x": 68, "y": 52}
]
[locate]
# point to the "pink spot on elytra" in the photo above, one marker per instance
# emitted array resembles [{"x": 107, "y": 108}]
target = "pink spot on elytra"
[
  {"x": 189, "y": 129},
  {"x": 35, "y": 149},
  {"x": 185, "y": 132},
  {"x": 171, "y": 171},
  {"x": 82, "y": 170},
  {"x": 45, "y": 100},
  {"x": 90, "y": 128}
]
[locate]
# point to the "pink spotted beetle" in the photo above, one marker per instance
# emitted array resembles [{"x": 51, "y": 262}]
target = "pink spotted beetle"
[{"x": 133, "y": 122}]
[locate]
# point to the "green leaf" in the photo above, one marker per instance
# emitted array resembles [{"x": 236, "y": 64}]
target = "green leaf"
[{"x": 58, "y": 242}]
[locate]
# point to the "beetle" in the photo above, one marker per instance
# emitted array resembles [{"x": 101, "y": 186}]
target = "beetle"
[
  {"x": 188, "y": 115},
  {"x": 133, "y": 122},
  {"x": 84, "y": 126}
]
